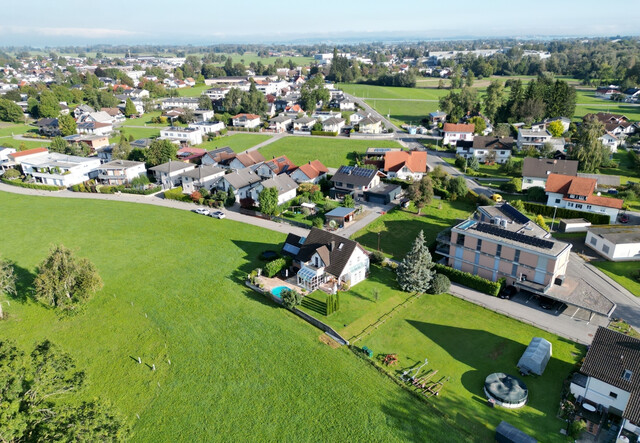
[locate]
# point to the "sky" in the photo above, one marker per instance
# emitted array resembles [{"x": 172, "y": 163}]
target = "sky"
[{"x": 81, "y": 22}]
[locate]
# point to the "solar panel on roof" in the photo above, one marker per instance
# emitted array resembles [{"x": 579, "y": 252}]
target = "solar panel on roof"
[
  {"x": 514, "y": 213},
  {"x": 503, "y": 233}
]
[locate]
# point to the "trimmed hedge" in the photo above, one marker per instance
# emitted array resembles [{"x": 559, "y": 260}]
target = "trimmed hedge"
[
  {"x": 275, "y": 266},
  {"x": 176, "y": 194},
  {"x": 469, "y": 280},
  {"x": 333, "y": 303},
  {"x": 537, "y": 208},
  {"x": 325, "y": 133},
  {"x": 31, "y": 185}
]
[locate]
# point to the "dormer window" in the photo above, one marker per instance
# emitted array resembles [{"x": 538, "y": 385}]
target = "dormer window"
[{"x": 626, "y": 376}]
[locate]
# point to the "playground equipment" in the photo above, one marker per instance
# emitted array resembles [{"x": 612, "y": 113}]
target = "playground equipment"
[
  {"x": 422, "y": 382},
  {"x": 435, "y": 388},
  {"x": 411, "y": 374},
  {"x": 390, "y": 359}
]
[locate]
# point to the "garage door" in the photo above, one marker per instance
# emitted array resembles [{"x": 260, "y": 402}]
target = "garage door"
[{"x": 377, "y": 200}]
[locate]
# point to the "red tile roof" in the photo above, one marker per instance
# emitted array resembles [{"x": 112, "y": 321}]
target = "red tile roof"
[
  {"x": 459, "y": 127},
  {"x": 569, "y": 185},
  {"x": 416, "y": 161},
  {"x": 280, "y": 164},
  {"x": 28, "y": 152},
  {"x": 313, "y": 169},
  {"x": 247, "y": 116}
]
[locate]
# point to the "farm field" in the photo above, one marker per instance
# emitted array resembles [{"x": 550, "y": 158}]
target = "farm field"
[
  {"x": 333, "y": 152},
  {"x": 399, "y": 227},
  {"x": 173, "y": 291}
]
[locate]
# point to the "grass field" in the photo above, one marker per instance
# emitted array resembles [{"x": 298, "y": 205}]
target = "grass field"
[
  {"x": 403, "y": 111},
  {"x": 195, "y": 91},
  {"x": 332, "y": 152},
  {"x": 631, "y": 111},
  {"x": 465, "y": 343},
  {"x": 24, "y": 144},
  {"x": 9, "y": 129},
  {"x": 237, "y": 142},
  {"x": 240, "y": 366},
  {"x": 145, "y": 120},
  {"x": 137, "y": 133},
  {"x": 621, "y": 273},
  {"x": 399, "y": 227},
  {"x": 372, "y": 91}
]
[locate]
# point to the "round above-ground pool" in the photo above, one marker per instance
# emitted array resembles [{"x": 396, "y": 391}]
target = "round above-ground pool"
[
  {"x": 278, "y": 290},
  {"x": 506, "y": 390}
]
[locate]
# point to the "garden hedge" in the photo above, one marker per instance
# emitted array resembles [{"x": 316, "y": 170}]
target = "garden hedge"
[
  {"x": 596, "y": 219},
  {"x": 176, "y": 194},
  {"x": 325, "y": 133},
  {"x": 31, "y": 185},
  {"x": 275, "y": 266},
  {"x": 469, "y": 280}
]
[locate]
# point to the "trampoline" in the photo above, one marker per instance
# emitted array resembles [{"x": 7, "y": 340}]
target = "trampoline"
[{"x": 506, "y": 390}]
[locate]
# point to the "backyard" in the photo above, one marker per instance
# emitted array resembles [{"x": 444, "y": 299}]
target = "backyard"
[
  {"x": 621, "y": 272},
  {"x": 331, "y": 151},
  {"x": 173, "y": 291},
  {"x": 397, "y": 229}
]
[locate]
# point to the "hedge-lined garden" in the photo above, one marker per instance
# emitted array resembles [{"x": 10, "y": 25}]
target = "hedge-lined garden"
[{"x": 469, "y": 280}]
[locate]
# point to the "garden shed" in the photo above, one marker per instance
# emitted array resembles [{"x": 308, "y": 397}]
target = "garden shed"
[
  {"x": 340, "y": 215},
  {"x": 382, "y": 194},
  {"x": 536, "y": 356}
]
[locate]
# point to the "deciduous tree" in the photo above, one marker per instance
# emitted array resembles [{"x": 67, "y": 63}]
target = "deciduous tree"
[
  {"x": 268, "y": 199},
  {"x": 160, "y": 151},
  {"x": 67, "y": 125},
  {"x": 421, "y": 192}
]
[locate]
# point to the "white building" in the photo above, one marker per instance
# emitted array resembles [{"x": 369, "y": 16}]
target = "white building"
[
  {"x": 246, "y": 121},
  {"x": 169, "y": 174},
  {"x": 615, "y": 243},
  {"x": 120, "y": 172},
  {"x": 610, "y": 141},
  {"x": 535, "y": 171},
  {"x": 285, "y": 185},
  {"x": 60, "y": 169},
  {"x": 486, "y": 148},
  {"x": 201, "y": 177},
  {"x": 453, "y": 132},
  {"x": 5, "y": 160},
  {"x": 189, "y": 135},
  {"x": 180, "y": 102},
  {"x": 533, "y": 137},
  {"x": 208, "y": 127}
]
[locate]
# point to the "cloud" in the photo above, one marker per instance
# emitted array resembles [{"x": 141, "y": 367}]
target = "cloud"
[{"x": 89, "y": 33}]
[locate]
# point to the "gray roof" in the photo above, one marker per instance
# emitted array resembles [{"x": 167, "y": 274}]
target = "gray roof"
[
  {"x": 542, "y": 167},
  {"x": 337, "y": 249},
  {"x": 171, "y": 166},
  {"x": 332, "y": 121},
  {"x": 369, "y": 121},
  {"x": 617, "y": 234},
  {"x": 283, "y": 183},
  {"x": 534, "y": 132},
  {"x": 354, "y": 175},
  {"x": 118, "y": 164},
  {"x": 242, "y": 178},
  {"x": 202, "y": 172},
  {"x": 492, "y": 142},
  {"x": 339, "y": 212},
  {"x": 280, "y": 119},
  {"x": 305, "y": 120}
]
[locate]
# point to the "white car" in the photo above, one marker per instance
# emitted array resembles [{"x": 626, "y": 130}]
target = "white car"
[
  {"x": 202, "y": 211},
  {"x": 217, "y": 214}
]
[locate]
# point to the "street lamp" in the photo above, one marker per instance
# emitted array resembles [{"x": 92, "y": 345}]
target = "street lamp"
[{"x": 555, "y": 208}]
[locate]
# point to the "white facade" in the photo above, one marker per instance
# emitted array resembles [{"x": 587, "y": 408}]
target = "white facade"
[
  {"x": 555, "y": 199},
  {"x": 119, "y": 172},
  {"x": 533, "y": 137},
  {"x": 246, "y": 122},
  {"x": 483, "y": 154},
  {"x": 613, "y": 251},
  {"x": 189, "y": 135},
  {"x": 610, "y": 141},
  {"x": 405, "y": 173},
  {"x": 602, "y": 393},
  {"x": 530, "y": 182},
  {"x": 451, "y": 138},
  {"x": 208, "y": 127},
  {"x": 59, "y": 169}
]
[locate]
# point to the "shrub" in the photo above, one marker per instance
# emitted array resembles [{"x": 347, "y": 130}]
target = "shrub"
[
  {"x": 540, "y": 222},
  {"x": 317, "y": 222},
  {"x": 325, "y": 133},
  {"x": 176, "y": 194},
  {"x": 460, "y": 162},
  {"x": 376, "y": 257},
  {"x": 247, "y": 203},
  {"x": 196, "y": 196},
  {"x": 107, "y": 190},
  {"x": 483, "y": 200},
  {"x": 31, "y": 185},
  {"x": 290, "y": 298},
  {"x": 333, "y": 303},
  {"x": 469, "y": 280},
  {"x": 576, "y": 428},
  {"x": 512, "y": 186},
  {"x": 518, "y": 204},
  {"x": 440, "y": 284},
  {"x": 536, "y": 208},
  {"x": 275, "y": 266},
  {"x": 11, "y": 174},
  {"x": 536, "y": 194},
  {"x": 142, "y": 191}
]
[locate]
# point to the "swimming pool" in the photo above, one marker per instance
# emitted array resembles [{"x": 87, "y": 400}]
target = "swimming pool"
[{"x": 277, "y": 290}]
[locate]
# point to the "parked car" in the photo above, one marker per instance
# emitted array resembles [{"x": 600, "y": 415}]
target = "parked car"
[
  {"x": 507, "y": 292},
  {"x": 546, "y": 303},
  {"x": 624, "y": 218},
  {"x": 217, "y": 214},
  {"x": 201, "y": 211},
  {"x": 496, "y": 198}
]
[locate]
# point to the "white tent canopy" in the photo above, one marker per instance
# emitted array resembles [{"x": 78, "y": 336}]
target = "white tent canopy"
[{"x": 536, "y": 357}]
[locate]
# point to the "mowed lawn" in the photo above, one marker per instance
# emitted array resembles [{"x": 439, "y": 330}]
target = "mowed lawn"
[
  {"x": 242, "y": 369},
  {"x": 404, "y": 111},
  {"x": 9, "y": 129},
  {"x": 137, "y": 133},
  {"x": 397, "y": 229},
  {"x": 333, "y": 152},
  {"x": 237, "y": 142},
  {"x": 466, "y": 343},
  {"x": 621, "y": 273},
  {"x": 631, "y": 111},
  {"x": 373, "y": 91}
]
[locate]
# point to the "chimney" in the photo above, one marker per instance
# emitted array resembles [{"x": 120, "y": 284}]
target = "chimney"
[{"x": 332, "y": 245}]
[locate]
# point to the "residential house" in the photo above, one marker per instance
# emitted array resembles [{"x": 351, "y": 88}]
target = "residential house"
[
  {"x": 357, "y": 117},
  {"x": 535, "y": 171},
  {"x": 29, "y": 154},
  {"x": 501, "y": 242},
  {"x": 97, "y": 117},
  {"x": 533, "y": 137},
  {"x": 5, "y": 161},
  {"x": 324, "y": 115},
  {"x": 452, "y": 132},
  {"x": 141, "y": 143},
  {"x": 190, "y": 154},
  {"x": 312, "y": 172},
  {"x": 180, "y": 102},
  {"x": 565, "y": 191},
  {"x": 617, "y": 124},
  {"x": 191, "y": 136},
  {"x": 304, "y": 124},
  {"x": 120, "y": 172},
  {"x": 353, "y": 180},
  {"x": 169, "y": 174},
  {"x": 246, "y": 160},
  {"x": 544, "y": 124},
  {"x": 48, "y": 127},
  {"x": 616, "y": 242},
  {"x": 246, "y": 121},
  {"x": 326, "y": 259},
  {"x": 610, "y": 141},
  {"x": 60, "y": 169},
  {"x": 606, "y": 92},
  {"x": 632, "y": 95},
  {"x": 486, "y": 148},
  {"x": 275, "y": 166},
  {"x": 203, "y": 115},
  {"x": 609, "y": 381},
  {"x": 94, "y": 128},
  {"x": 201, "y": 177},
  {"x": 333, "y": 124},
  {"x": 343, "y": 103},
  {"x": 281, "y": 123},
  {"x": 82, "y": 110},
  {"x": 94, "y": 141},
  {"x": 218, "y": 157},
  {"x": 405, "y": 165},
  {"x": 208, "y": 127},
  {"x": 285, "y": 185},
  {"x": 370, "y": 125},
  {"x": 242, "y": 182},
  {"x": 116, "y": 115},
  {"x": 437, "y": 117}
]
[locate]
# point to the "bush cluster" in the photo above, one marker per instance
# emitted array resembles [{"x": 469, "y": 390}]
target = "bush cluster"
[
  {"x": 596, "y": 219},
  {"x": 275, "y": 266},
  {"x": 32, "y": 185},
  {"x": 469, "y": 280}
]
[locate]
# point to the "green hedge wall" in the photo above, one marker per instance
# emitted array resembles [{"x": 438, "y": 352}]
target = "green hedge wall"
[
  {"x": 325, "y": 133},
  {"x": 31, "y": 185},
  {"x": 176, "y": 194},
  {"x": 275, "y": 266},
  {"x": 469, "y": 280},
  {"x": 537, "y": 208}
]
